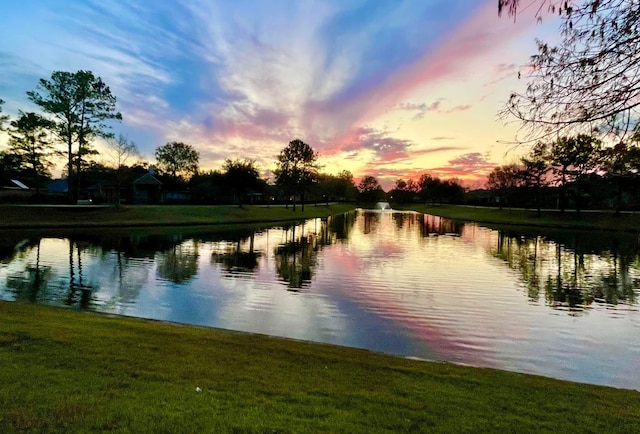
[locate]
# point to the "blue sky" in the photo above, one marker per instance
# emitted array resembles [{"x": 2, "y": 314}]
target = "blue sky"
[{"x": 386, "y": 88}]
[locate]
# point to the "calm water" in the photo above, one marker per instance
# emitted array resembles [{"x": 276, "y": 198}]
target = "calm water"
[{"x": 562, "y": 304}]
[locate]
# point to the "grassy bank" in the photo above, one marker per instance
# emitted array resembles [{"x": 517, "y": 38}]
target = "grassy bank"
[
  {"x": 152, "y": 215},
  {"x": 604, "y": 220},
  {"x": 65, "y": 371}
]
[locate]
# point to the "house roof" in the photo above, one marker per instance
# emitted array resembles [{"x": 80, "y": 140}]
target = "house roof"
[
  {"x": 58, "y": 186},
  {"x": 16, "y": 183},
  {"x": 147, "y": 179}
]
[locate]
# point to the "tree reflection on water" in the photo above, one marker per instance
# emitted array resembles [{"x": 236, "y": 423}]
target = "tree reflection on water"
[
  {"x": 179, "y": 264},
  {"x": 234, "y": 259},
  {"x": 573, "y": 270}
]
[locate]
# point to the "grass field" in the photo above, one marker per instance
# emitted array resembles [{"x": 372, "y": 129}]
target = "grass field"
[
  {"x": 15, "y": 216},
  {"x": 68, "y": 371},
  {"x": 605, "y": 220}
]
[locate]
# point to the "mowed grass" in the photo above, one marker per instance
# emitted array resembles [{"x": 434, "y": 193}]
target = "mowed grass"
[
  {"x": 68, "y": 371},
  {"x": 16, "y": 216},
  {"x": 603, "y": 220}
]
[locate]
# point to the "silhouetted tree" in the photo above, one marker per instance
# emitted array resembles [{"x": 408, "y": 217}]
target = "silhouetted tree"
[
  {"x": 296, "y": 169},
  {"x": 241, "y": 176},
  {"x": 404, "y": 191},
  {"x": 178, "y": 159},
  {"x": 503, "y": 179},
  {"x": 621, "y": 163},
  {"x": 29, "y": 141},
  {"x": 121, "y": 149},
  {"x": 573, "y": 159},
  {"x": 80, "y": 104},
  {"x": 536, "y": 167},
  {"x": 369, "y": 189},
  {"x": 10, "y": 165},
  {"x": 209, "y": 187}
]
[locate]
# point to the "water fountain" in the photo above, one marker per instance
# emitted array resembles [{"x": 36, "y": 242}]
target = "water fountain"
[{"x": 383, "y": 206}]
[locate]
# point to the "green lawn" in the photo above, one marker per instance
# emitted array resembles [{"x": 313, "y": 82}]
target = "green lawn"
[
  {"x": 68, "y": 371},
  {"x": 605, "y": 220},
  {"x": 15, "y": 216}
]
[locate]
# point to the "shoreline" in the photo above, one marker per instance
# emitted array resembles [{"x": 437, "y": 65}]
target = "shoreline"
[
  {"x": 143, "y": 216},
  {"x": 591, "y": 220}
]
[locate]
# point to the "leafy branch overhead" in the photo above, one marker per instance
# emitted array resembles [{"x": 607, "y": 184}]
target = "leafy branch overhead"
[{"x": 589, "y": 82}]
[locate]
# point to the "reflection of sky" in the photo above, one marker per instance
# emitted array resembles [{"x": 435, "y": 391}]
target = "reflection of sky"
[{"x": 386, "y": 287}]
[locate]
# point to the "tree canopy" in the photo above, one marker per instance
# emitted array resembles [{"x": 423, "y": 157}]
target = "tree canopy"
[
  {"x": 296, "y": 168},
  {"x": 370, "y": 189},
  {"x": 29, "y": 141},
  {"x": 589, "y": 82},
  {"x": 178, "y": 159},
  {"x": 241, "y": 176},
  {"x": 80, "y": 104}
]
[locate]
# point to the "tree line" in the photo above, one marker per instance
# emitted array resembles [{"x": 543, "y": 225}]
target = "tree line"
[
  {"x": 76, "y": 108},
  {"x": 577, "y": 171}
]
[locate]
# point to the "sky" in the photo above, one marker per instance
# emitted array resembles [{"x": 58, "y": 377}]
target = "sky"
[{"x": 392, "y": 89}]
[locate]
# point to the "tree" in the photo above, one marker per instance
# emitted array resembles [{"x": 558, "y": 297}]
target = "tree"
[
  {"x": 241, "y": 176},
  {"x": 621, "y": 163},
  {"x": 296, "y": 169},
  {"x": 29, "y": 141},
  {"x": 10, "y": 165},
  {"x": 346, "y": 188},
  {"x": 536, "y": 167},
  {"x": 178, "y": 159},
  {"x": 590, "y": 81},
  {"x": 573, "y": 159},
  {"x": 503, "y": 179},
  {"x": 121, "y": 150},
  {"x": 370, "y": 189},
  {"x": 208, "y": 187},
  {"x": 404, "y": 191},
  {"x": 80, "y": 104}
]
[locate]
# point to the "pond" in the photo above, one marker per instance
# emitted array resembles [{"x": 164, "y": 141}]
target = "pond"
[{"x": 556, "y": 303}]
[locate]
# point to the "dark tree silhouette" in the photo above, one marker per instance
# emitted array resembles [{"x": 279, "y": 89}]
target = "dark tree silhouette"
[
  {"x": 621, "y": 163},
  {"x": 178, "y": 159},
  {"x": 241, "y": 176},
  {"x": 121, "y": 150},
  {"x": 296, "y": 169},
  {"x": 572, "y": 160},
  {"x": 80, "y": 104},
  {"x": 503, "y": 180},
  {"x": 369, "y": 189},
  {"x": 536, "y": 166},
  {"x": 29, "y": 141}
]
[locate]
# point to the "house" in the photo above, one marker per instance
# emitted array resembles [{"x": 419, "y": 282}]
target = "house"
[
  {"x": 147, "y": 189},
  {"x": 15, "y": 190}
]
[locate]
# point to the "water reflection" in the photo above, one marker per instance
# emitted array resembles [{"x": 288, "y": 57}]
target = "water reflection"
[
  {"x": 179, "y": 264},
  {"x": 573, "y": 270},
  {"x": 233, "y": 257},
  {"x": 33, "y": 278},
  {"x": 557, "y": 303}
]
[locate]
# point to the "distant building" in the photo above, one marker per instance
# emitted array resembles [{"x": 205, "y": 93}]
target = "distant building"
[
  {"x": 15, "y": 190},
  {"x": 147, "y": 189}
]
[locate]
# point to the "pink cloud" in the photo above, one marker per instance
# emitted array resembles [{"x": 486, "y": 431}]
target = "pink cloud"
[{"x": 480, "y": 34}]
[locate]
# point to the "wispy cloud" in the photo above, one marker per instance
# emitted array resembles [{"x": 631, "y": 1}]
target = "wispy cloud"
[{"x": 243, "y": 78}]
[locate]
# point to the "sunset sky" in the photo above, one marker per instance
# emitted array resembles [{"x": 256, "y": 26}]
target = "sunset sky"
[{"x": 392, "y": 88}]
